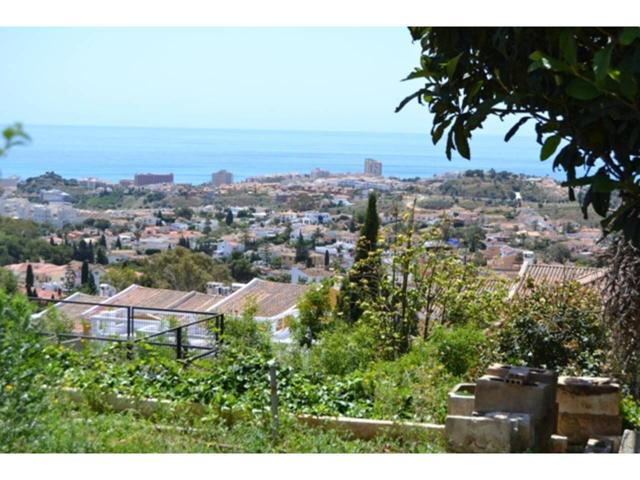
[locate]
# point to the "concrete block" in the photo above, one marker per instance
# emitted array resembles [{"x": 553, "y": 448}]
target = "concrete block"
[
  {"x": 500, "y": 433},
  {"x": 596, "y": 445},
  {"x": 630, "y": 442},
  {"x": 589, "y": 395},
  {"x": 537, "y": 375},
  {"x": 494, "y": 394},
  {"x": 579, "y": 427},
  {"x": 461, "y": 399},
  {"x": 558, "y": 444}
]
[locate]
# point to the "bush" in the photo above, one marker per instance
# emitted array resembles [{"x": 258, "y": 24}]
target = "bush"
[
  {"x": 555, "y": 326},
  {"x": 415, "y": 386},
  {"x": 462, "y": 351},
  {"x": 22, "y": 398},
  {"x": 344, "y": 349}
]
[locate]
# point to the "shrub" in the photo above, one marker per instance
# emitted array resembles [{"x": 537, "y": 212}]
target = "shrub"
[
  {"x": 461, "y": 350},
  {"x": 344, "y": 349},
  {"x": 555, "y": 326},
  {"x": 22, "y": 398}
]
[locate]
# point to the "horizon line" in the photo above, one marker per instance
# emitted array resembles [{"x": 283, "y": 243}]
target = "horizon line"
[{"x": 291, "y": 130}]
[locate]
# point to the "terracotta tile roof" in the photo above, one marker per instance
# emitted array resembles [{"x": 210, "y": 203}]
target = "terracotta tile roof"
[
  {"x": 138, "y": 296},
  {"x": 272, "y": 298},
  {"x": 76, "y": 312},
  {"x": 548, "y": 273},
  {"x": 200, "y": 302}
]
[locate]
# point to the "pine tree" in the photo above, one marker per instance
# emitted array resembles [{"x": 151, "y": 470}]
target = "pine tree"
[{"x": 84, "y": 273}]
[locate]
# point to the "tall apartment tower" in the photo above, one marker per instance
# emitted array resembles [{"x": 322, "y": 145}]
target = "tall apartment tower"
[
  {"x": 142, "y": 179},
  {"x": 372, "y": 167},
  {"x": 221, "y": 177}
]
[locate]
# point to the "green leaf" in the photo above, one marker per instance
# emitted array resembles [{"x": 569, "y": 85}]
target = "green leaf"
[
  {"x": 628, "y": 35},
  {"x": 601, "y": 61},
  {"x": 582, "y": 90},
  {"x": 462, "y": 144},
  {"x": 452, "y": 64},
  {"x": 628, "y": 85},
  {"x": 568, "y": 46},
  {"x": 512, "y": 131},
  {"x": 549, "y": 146}
]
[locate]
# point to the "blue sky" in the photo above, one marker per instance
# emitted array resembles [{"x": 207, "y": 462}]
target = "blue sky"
[{"x": 342, "y": 79}]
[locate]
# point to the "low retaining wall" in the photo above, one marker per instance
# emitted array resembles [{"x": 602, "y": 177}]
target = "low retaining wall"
[{"x": 366, "y": 428}]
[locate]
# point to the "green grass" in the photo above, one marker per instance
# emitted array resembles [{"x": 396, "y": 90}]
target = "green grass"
[{"x": 79, "y": 429}]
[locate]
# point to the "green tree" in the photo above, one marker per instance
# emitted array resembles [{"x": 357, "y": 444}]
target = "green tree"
[
  {"x": 84, "y": 273},
  {"x": 182, "y": 269},
  {"x": 120, "y": 277},
  {"x": 368, "y": 241},
  {"x": 473, "y": 237},
  {"x": 22, "y": 366},
  {"x": 315, "y": 313},
  {"x": 8, "y": 281},
  {"x": 555, "y": 326},
  {"x": 302, "y": 250},
  {"x": 91, "y": 284},
  {"x": 327, "y": 260},
  {"x": 241, "y": 268},
  {"x": 29, "y": 280},
  {"x": 101, "y": 256},
  {"x": 228, "y": 219},
  {"x": 361, "y": 283},
  {"x": 579, "y": 85}
]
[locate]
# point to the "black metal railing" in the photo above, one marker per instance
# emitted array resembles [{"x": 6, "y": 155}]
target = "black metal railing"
[{"x": 203, "y": 335}]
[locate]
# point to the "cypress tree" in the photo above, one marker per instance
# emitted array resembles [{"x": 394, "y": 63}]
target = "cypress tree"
[
  {"x": 229, "y": 218},
  {"x": 368, "y": 240},
  {"x": 118, "y": 243},
  {"x": 326, "y": 259},
  {"x": 302, "y": 254},
  {"x": 101, "y": 257},
  {"x": 91, "y": 284},
  {"x": 103, "y": 241},
  {"x": 29, "y": 279},
  {"x": 361, "y": 282},
  {"x": 84, "y": 273}
]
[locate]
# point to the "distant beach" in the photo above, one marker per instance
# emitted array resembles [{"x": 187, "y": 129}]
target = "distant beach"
[{"x": 114, "y": 153}]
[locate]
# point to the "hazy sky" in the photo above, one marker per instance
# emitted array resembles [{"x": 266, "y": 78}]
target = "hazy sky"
[{"x": 345, "y": 79}]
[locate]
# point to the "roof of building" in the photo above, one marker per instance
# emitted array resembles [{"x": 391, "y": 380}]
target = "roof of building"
[
  {"x": 552, "y": 273},
  {"x": 272, "y": 298}
]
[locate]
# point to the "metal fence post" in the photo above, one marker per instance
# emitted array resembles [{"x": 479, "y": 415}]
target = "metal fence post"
[
  {"x": 275, "y": 420},
  {"x": 179, "y": 343}
]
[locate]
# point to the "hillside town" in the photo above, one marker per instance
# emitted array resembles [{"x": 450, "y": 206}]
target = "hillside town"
[{"x": 286, "y": 230}]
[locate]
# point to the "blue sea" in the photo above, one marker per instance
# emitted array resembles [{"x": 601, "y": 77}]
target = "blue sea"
[{"x": 114, "y": 153}]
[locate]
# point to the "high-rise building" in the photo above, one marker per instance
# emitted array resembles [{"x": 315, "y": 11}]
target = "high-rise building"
[
  {"x": 142, "y": 179},
  {"x": 372, "y": 167},
  {"x": 221, "y": 177}
]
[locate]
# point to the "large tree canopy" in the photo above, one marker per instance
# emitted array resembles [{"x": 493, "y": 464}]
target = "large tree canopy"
[{"x": 579, "y": 85}]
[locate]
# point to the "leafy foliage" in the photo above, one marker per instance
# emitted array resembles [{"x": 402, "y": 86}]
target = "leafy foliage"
[
  {"x": 579, "y": 85},
  {"x": 22, "y": 398},
  {"x": 555, "y": 326},
  {"x": 182, "y": 269}
]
